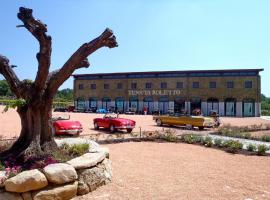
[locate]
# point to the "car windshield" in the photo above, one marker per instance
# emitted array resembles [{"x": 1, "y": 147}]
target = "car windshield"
[
  {"x": 111, "y": 115},
  {"x": 60, "y": 117}
]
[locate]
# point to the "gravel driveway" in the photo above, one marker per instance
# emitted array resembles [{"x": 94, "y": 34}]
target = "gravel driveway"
[{"x": 160, "y": 171}]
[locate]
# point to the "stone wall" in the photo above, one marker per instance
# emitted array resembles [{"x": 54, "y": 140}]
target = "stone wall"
[{"x": 61, "y": 181}]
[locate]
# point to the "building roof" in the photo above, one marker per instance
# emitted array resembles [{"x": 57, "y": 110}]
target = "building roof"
[{"x": 224, "y": 72}]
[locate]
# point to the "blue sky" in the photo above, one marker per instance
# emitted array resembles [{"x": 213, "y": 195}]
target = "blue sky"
[{"x": 152, "y": 35}]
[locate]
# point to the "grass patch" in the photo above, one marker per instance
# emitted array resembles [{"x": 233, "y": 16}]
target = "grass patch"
[
  {"x": 207, "y": 141},
  {"x": 218, "y": 142},
  {"x": 251, "y": 147},
  {"x": 262, "y": 149},
  {"x": 233, "y": 146},
  {"x": 244, "y": 131},
  {"x": 191, "y": 138},
  {"x": 67, "y": 152}
]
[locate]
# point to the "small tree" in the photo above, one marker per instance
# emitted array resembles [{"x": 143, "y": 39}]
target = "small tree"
[{"x": 36, "y": 113}]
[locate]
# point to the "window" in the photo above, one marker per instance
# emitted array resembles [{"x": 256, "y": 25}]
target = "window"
[
  {"x": 230, "y": 84},
  {"x": 106, "y": 86},
  {"x": 80, "y": 86},
  {"x": 248, "y": 84},
  {"x": 195, "y": 85},
  {"x": 93, "y": 86},
  {"x": 179, "y": 85},
  {"x": 119, "y": 86},
  {"x": 133, "y": 86},
  {"x": 148, "y": 85},
  {"x": 163, "y": 85},
  {"x": 212, "y": 84}
]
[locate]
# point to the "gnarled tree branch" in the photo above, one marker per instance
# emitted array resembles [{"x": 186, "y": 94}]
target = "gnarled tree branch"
[
  {"x": 38, "y": 30},
  {"x": 79, "y": 60},
  {"x": 12, "y": 79}
]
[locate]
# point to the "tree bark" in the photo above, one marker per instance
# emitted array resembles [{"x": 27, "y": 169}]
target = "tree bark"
[{"x": 36, "y": 114}]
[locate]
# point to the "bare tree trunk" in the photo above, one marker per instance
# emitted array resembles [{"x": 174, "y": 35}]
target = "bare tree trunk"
[
  {"x": 36, "y": 115},
  {"x": 28, "y": 142}
]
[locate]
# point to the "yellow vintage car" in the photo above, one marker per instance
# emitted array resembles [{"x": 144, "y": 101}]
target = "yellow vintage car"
[{"x": 185, "y": 120}]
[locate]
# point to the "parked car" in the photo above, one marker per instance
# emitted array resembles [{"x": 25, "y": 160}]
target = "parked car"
[
  {"x": 185, "y": 120},
  {"x": 62, "y": 125},
  {"x": 71, "y": 108},
  {"x": 130, "y": 112},
  {"x": 112, "y": 122},
  {"x": 101, "y": 110},
  {"x": 91, "y": 110}
]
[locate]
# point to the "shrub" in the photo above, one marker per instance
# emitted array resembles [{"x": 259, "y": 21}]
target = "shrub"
[
  {"x": 10, "y": 172},
  {"x": 262, "y": 149},
  {"x": 78, "y": 149},
  {"x": 68, "y": 152},
  {"x": 251, "y": 147},
  {"x": 1, "y": 167},
  {"x": 233, "y": 146},
  {"x": 218, "y": 142},
  {"x": 191, "y": 139},
  {"x": 265, "y": 112},
  {"x": 266, "y": 138},
  {"x": 207, "y": 141},
  {"x": 169, "y": 135}
]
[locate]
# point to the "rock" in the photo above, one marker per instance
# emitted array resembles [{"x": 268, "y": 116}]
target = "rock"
[
  {"x": 3, "y": 178},
  {"x": 82, "y": 188},
  {"x": 87, "y": 160},
  {"x": 26, "y": 181},
  {"x": 27, "y": 196},
  {"x": 63, "y": 192},
  {"x": 101, "y": 149},
  {"x": 60, "y": 173},
  {"x": 95, "y": 177},
  {"x": 71, "y": 141},
  {"x": 10, "y": 196}
]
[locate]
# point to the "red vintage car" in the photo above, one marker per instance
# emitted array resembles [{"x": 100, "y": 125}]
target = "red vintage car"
[
  {"x": 63, "y": 125},
  {"x": 112, "y": 122}
]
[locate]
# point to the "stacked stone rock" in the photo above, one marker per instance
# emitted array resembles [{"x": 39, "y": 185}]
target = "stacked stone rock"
[{"x": 61, "y": 181}]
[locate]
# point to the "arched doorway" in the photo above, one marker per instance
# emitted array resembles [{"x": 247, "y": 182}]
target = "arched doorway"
[
  {"x": 119, "y": 105},
  {"x": 80, "y": 103},
  {"x": 248, "y": 108},
  {"x": 92, "y": 102},
  {"x": 195, "y": 104},
  {"x": 106, "y": 103},
  {"x": 179, "y": 104},
  {"x": 163, "y": 104},
  {"x": 133, "y": 103},
  {"x": 230, "y": 107},
  {"x": 148, "y": 104},
  {"x": 212, "y": 104}
]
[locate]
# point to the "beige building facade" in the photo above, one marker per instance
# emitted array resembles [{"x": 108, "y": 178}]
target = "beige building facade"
[{"x": 229, "y": 92}]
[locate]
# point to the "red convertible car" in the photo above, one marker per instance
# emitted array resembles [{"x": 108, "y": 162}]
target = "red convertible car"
[
  {"x": 113, "y": 123},
  {"x": 63, "y": 125}
]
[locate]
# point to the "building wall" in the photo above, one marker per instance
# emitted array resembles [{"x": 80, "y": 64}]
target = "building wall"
[{"x": 188, "y": 93}]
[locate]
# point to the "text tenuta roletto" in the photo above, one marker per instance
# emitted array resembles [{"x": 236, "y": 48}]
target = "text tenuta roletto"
[{"x": 153, "y": 92}]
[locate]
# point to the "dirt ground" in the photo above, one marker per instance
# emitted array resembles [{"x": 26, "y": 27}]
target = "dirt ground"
[
  {"x": 151, "y": 170},
  {"x": 10, "y": 123},
  {"x": 182, "y": 171}
]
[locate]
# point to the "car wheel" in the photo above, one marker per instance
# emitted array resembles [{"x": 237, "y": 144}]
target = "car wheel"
[
  {"x": 112, "y": 128},
  {"x": 129, "y": 130},
  {"x": 159, "y": 122},
  {"x": 96, "y": 126},
  {"x": 189, "y": 126},
  {"x": 201, "y": 128}
]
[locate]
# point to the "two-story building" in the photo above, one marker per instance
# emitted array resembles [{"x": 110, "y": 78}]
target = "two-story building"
[{"x": 230, "y": 92}]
